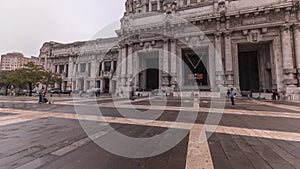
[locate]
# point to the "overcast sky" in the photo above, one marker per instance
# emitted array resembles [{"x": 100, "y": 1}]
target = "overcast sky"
[{"x": 26, "y": 24}]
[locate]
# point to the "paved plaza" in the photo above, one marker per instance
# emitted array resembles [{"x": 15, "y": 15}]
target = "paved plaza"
[{"x": 253, "y": 134}]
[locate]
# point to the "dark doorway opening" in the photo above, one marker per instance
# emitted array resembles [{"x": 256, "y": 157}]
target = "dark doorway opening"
[
  {"x": 106, "y": 86},
  {"x": 152, "y": 81},
  {"x": 248, "y": 71}
]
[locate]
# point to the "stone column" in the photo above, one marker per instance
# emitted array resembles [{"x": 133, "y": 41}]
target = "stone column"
[
  {"x": 124, "y": 65},
  {"x": 158, "y": 5},
  {"x": 103, "y": 65},
  {"x": 188, "y": 2},
  {"x": 150, "y": 6},
  {"x": 218, "y": 58},
  {"x": 173, "y": 58},
  {"x": 112, "y": 66},
  {"x": 129, "y": 61},
  {"x": 297, "y": 45},
  {"x": 71, "y": 68},
  {"x": 94, "y": 68},
  {"x": 228, "y": 59},
  {"x": 287, "y": 55},
  {"x": 173, "y": 62},
  {"x": 102, "y": 85},
  {"x": 57, "y": 69},
  {"x": 165, "y": 62}
]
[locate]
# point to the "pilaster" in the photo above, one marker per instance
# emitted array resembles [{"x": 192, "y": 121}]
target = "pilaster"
[
  {"x": 287, "y": 55},
  {"x": 218, "y": 59},
  {"x": 165, "y": 64},
  {"x": 297, "y": 44},
  {"x": 158, "y": 5},
  {"x": 228, "y": 59},
  {"x": 129, "y": 61}
]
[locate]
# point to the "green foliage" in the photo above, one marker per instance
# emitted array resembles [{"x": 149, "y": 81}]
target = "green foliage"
[
  {"x": 4, "y": 78},
  {"x": 30, "y": 75}
]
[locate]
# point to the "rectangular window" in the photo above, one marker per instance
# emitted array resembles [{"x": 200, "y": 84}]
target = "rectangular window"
[
  {"x": 67, "y": 70},
  {"x": 55, "y": 68},
  {"x": 88, "y": 83},
  {"x": 74, "y": 85},
  {"x": 154, "y": 7},
  {"x": 107, "y": 66},
  {"x": 115, "y": 66},
  {"x": 82, "y": 67},
  {"x": 89, "y": 69},
  {"x": 61, "y": 69}
]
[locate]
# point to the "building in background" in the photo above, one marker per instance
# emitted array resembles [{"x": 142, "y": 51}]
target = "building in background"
[
  {"x": 83, "y": 65},
  {"x": 13, "y": 61},
  {"x": 258, "y": 43}
]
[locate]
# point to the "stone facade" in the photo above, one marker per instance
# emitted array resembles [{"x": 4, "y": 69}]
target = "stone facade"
[
  {"x": 255, "y": 46},
  {"x": 83, "y": 65}
]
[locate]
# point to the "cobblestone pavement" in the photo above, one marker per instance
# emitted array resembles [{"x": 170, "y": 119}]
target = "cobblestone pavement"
[{"x": 252, "y": 134}]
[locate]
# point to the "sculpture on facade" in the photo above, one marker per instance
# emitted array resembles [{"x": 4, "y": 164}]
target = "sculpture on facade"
[
  {"x": 222, "y": 9},
  {"x": 169, "y": 6},
  {"x": 129, "y": 6}
]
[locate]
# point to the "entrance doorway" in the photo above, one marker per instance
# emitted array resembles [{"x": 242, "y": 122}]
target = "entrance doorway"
[
  {"x": 248, "y": 69},
  {"x": 106, "y": 86},
  {"x": 255, "y": 68},
  {"x": 149, "y": 77},
  {"x": 152, "y": 79}
]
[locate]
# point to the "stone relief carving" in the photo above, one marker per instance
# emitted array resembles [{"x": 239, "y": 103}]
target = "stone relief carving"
[
  {"x": 129, "y": 6},
  {"x": 147, "y": 46},
  {"x": 194, "y": 41},
  {"x": 254, "y": 36}
]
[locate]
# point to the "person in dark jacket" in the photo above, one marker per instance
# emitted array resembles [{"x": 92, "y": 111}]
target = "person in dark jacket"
[{"x": 232, "y": 95}]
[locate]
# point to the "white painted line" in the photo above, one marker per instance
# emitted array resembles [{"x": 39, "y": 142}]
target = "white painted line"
[
  {"x": 280, "y": 135},
  {"x": 284, "y": 106},
  {"x": 198, "y": 154},
  {"x": 64, "y": 150}
]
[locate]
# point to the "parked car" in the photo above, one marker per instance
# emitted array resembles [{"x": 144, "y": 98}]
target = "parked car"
[
  {"x": 55, "y": 91},
  {"x": 66, "y": 92},
  {"x": 2, "y": 92},
  {"x": 59, "y": 91}
]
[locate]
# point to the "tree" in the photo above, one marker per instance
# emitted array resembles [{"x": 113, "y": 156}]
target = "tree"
[
  {"x": 5, "y": 80},
  {"x": 50, "y": 78},
  {"x": 32, "y": 74}
]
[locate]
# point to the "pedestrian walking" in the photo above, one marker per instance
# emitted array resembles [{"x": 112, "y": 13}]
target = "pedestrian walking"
[
  {"x": 232, "y": 95},
  {"x": 41, "y": 93}
]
